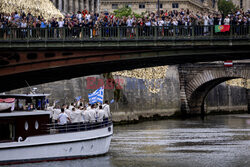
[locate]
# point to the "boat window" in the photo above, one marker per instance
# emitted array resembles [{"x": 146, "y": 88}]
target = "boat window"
[
  {"x": 7, "y": 132},
  {"x": 26, "y": 126},
  {"x": 36, "y": 125}
]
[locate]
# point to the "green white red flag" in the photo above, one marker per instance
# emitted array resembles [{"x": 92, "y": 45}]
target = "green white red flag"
[{"x": 221, "y": 28}]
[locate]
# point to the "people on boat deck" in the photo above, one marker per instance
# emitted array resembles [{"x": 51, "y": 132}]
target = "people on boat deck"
[
  {"x": 107, "y": 109},
  {"x": 63, "y": 118},
  {"x": 83, "y": 112},
  {"x": 92, "y": 114},
  {"x": 100, "y": 114}
]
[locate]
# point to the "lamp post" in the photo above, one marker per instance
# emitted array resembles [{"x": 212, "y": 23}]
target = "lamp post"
[
  {"x": 158, "y": 11},
  {"x": 158, "y": 7}
]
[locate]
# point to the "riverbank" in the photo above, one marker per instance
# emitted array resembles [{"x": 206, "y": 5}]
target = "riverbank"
[{"x": 177, "y": 116}]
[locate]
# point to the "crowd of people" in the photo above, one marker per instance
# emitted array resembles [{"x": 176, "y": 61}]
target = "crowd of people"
[
  {"x": 80, "y": 112},
  {"x": 94, "y": 22}
]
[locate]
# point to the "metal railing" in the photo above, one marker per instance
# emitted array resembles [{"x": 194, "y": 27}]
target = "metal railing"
[
  {"x": 74, "y": 127},
  {"x": 122, "y": 33}
]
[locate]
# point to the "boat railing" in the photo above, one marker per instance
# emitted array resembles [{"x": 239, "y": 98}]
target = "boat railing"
[{"x": 74, "y": 127}]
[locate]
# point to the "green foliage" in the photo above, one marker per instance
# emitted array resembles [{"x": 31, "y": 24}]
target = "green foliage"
[
  {"x": 125, "y": 11},
  {"x": 226, "y": 7}
]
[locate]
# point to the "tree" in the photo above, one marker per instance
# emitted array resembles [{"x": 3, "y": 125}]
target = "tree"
[
  {"x": 126, "y": 11},
  {"x": 226, "y": 6}
]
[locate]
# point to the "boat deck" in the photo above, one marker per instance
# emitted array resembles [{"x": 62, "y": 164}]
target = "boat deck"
[{"x": 23, "y": 113}]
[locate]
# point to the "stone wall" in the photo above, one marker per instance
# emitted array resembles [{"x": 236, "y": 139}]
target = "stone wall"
[
  {"x": 226, "y": 98},
  {"x": 137, "y": 101}
]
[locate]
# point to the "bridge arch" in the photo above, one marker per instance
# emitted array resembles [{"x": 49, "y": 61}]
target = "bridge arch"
[{"x": 199, "y": 85}]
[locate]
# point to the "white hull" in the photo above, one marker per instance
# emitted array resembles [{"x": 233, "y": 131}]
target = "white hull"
[{"x": 58, "y": 146}]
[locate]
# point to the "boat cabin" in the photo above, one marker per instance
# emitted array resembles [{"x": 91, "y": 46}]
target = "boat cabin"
[{"x": 27, "y": 119}]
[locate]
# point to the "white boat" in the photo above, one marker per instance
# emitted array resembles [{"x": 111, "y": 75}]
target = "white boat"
[
  {"x": 6, "y": 104},
  {"x": 28, "y": 136}
]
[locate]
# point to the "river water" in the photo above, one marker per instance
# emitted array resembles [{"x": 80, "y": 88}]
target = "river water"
[{"x": 219, "y": 140}]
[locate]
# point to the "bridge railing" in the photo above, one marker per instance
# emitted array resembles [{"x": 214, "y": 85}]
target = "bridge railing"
[{"x": 122, "y": 33}]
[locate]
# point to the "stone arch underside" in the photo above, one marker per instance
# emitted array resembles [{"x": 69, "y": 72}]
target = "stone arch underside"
[{"x": 199, "y": 87}]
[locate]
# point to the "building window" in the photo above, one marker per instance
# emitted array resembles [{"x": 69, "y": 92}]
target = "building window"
[
  {"x": 175, "y": 5},
  {"x": 241, "y": 4},
  {"x": 114, "y": 6},
  {"x": 161, "y": 6},
  {"x": 141, "y": 5},
  {"x": 128, "y": 6}
]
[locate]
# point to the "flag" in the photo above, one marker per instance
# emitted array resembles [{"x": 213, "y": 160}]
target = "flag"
[
  {"x": 78, "y": 98},
  {"x": 96, "y": 96},
  {"x": 112, "y": 101},
  {"x": 221, "y": 28},
  {"x": 228, "y": 63},
  {"x": 39, "y": 104}
]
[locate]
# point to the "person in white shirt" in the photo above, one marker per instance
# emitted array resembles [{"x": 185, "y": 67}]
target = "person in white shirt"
[
  {"x": 86, "y": 115},
  {"x": 63, "y": 118},
  {"x": 89, "y": 106},
  {"x": 79, "y": 115},
  {"x": 71, "y": 106},
  {"x": 100, "y": 114},
  {"x": 60, "y": 23},
  {"x": 160, "y": 22},
  {"x": 226, "y": 21},
  {"x": 206, "y": 23},
  {"x": 106, "y": 109},
  {"x": 68, "y": 111},
  {"x": 73, "y": 116},
  {"x": 92, "y": 114},
  {"x": 79, "y": 16},
  {"x": 83, "y": 110},
  {"x": 129, "y": 22},
  {"x": 55, "y": 114}
]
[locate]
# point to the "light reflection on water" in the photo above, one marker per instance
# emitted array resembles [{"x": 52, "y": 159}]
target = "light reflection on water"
[{"x": 216, "y": 141}]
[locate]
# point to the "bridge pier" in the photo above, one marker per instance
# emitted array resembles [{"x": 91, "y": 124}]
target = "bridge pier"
[{"x": 183, "y": 97}]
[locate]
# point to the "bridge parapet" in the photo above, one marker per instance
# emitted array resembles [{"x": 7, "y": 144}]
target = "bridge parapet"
[{"x": 157, "y": 36}]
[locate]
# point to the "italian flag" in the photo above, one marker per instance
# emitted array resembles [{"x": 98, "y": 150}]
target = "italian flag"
[{"x": 221, "y": 28}]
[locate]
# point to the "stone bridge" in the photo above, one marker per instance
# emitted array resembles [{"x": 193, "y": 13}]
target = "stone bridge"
[{"x": 196, "y": 80}]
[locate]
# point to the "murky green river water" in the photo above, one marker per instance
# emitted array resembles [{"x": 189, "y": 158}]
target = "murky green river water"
[{"x": 215, "y": 141}]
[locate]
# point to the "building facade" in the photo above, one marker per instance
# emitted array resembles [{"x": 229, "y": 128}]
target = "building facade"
[
  {"x": 242, "y": 4},
  {"x": 69, "y": 6},
  {"x": 138, "y": 6}
]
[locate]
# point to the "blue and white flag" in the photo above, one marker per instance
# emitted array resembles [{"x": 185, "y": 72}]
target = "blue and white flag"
[
  {"x": 112, "y": 101},
  {"x": 78, "y": 98},
  {"x": 96, "y": 96}
]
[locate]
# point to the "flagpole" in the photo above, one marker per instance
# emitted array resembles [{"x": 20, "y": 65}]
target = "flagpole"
[{"x": 103, "y": 94}]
